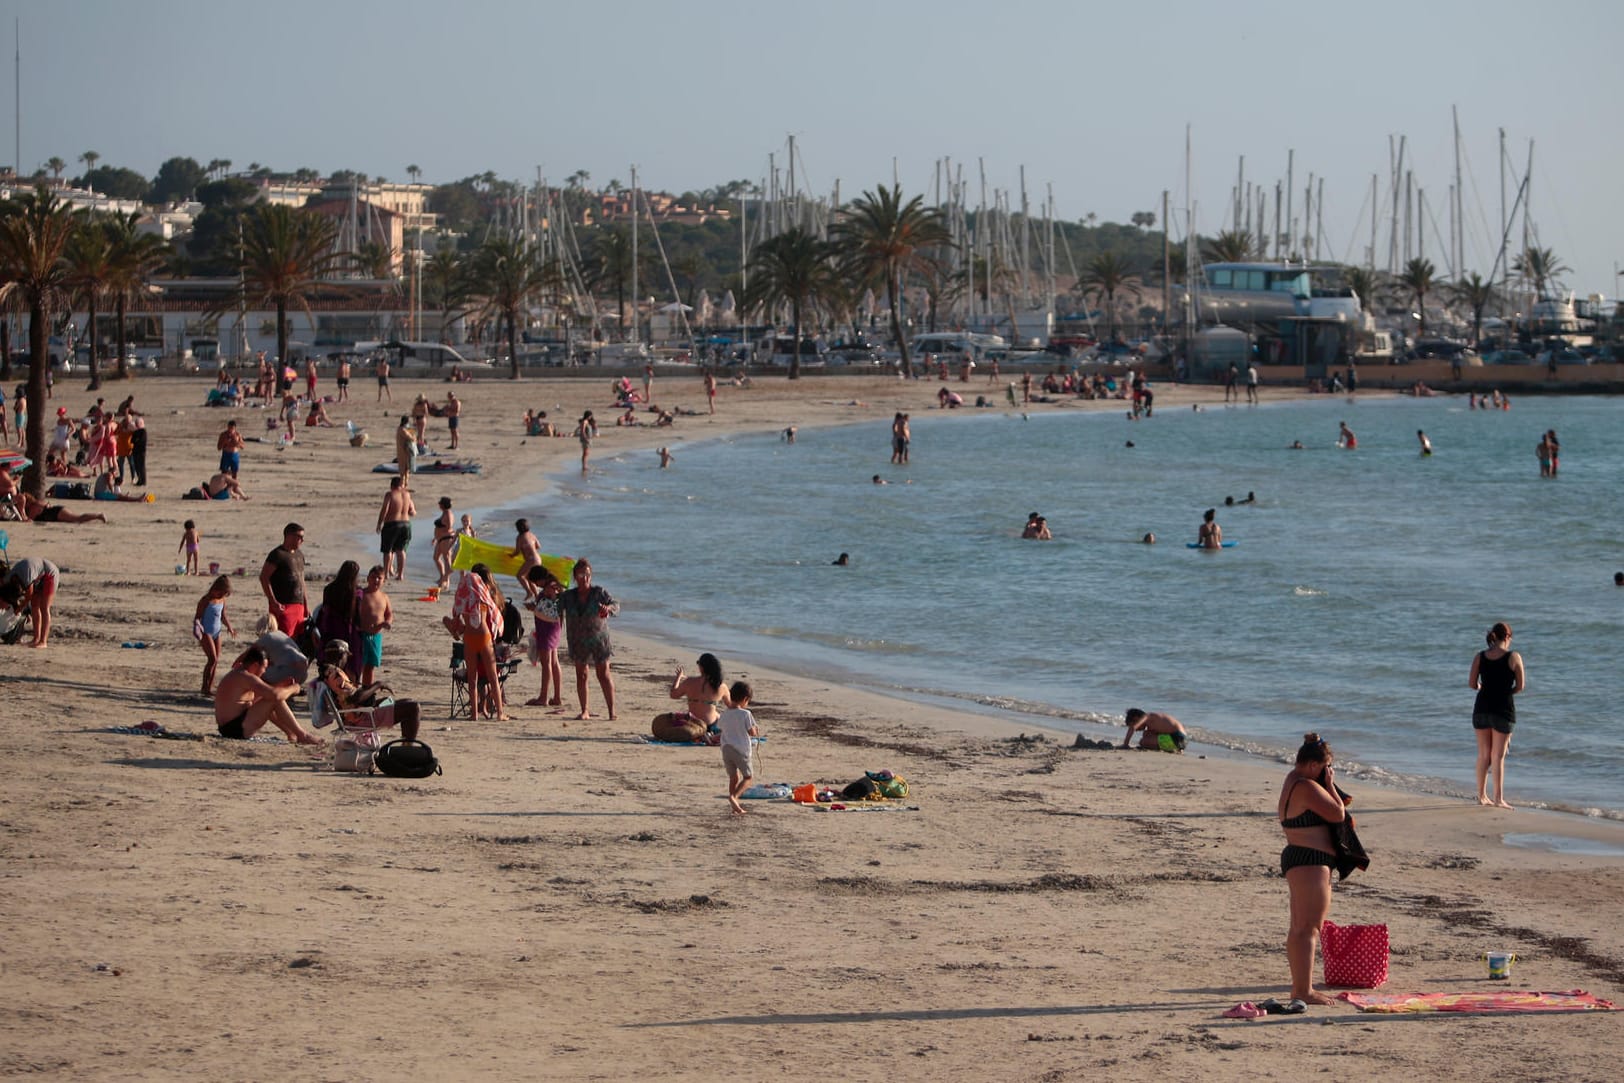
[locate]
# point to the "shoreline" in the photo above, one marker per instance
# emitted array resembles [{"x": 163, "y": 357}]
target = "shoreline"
[
  {"x": 1054, "y": 717},
  {"x": 567, "y": 902}
]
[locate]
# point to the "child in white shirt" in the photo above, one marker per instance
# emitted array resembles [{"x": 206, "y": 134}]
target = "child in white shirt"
[{"x": 737, "y": 726}]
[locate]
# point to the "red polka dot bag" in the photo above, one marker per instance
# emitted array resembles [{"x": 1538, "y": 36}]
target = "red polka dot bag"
[{"x": 1355, "y": 956}]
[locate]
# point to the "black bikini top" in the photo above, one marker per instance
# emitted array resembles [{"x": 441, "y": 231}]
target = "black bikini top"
[{"x": 1306, "y": 818}]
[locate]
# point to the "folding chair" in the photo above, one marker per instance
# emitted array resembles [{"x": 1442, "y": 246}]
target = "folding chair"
[
  {"x": 507, "y": 662},
  {"x": 356, "y": 738}
]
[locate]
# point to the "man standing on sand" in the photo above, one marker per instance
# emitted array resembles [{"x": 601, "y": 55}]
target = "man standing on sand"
[
  {"x": 527, "y": 548},
  {"x": 282, "y": 580},
  {"x": 395, "y": 527},
  {"x": 374, "y": 615},
  {"x": 383, "y": 380},
  {"x": 231, "y": 444},
  {"x": 420, "y": 419},
  {"x": 243, "y": 702},
  {"x": 1157, "y": 731},
  {"x": 453, "y": 417},
  {"x": 405, "y": 451},
  {"x": 1229, "y": 382},
  {"x": 1251, "y": 383},
  {"x": 343, "y": 380},
  {"x": 710, "y": 389}
]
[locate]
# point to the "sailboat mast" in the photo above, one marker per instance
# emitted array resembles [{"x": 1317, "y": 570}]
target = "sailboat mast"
[
  {"x": 1291, "y": 159},
  {"x": 637, "y": 330}
]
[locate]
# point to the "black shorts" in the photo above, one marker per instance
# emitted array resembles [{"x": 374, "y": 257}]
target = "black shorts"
[
  {"x": 395, "y": 537},
  {"x": 343, "y": 381},
  {"x": 233, "y": 729},
  {"x": 1493, "y": 722}
]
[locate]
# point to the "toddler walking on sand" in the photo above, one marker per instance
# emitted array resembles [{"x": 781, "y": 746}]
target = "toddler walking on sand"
[
  {"x": 206, "y": 626},
  {"x": 737, "y": 726},
  {"x": 190, "y": 541}
]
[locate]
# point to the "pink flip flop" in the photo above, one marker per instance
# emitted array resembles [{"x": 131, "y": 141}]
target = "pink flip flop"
[{"x": 1245, "y": 1010}]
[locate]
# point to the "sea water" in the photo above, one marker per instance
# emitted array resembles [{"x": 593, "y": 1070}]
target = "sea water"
[{"x": 1360, "y": 587}]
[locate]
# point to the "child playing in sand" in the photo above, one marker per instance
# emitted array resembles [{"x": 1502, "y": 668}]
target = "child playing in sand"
[
  {"x": 206, "y": 625},
  {"x": 737, "y": 726},
  {"x": 190, "y": 540}
]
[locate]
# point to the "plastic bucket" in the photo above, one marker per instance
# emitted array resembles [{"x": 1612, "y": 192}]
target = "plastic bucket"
[
  {"x": 805, "y": 795},
  {"x": 1499, "y": 964}
]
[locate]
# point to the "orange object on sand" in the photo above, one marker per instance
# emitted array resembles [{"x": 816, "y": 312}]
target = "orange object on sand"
[{"x": 805, "y": 795}]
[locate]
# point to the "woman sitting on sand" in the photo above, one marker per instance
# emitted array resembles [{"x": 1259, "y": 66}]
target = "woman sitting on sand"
[
  {"x": 705, "y": 694},
  {"x": 1309, "y": 805}
]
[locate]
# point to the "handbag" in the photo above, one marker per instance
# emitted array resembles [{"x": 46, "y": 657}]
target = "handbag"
[
  {"x": 1355, "y": 956},
  {"x": 406, "y": 759},
  {"x": 355, "y": 751}
]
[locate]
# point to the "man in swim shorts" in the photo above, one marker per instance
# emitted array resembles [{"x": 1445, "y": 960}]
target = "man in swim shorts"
[
  {"x": 453, "y": 417},
  {"x": 395, "y": 527},
  {"x": 243, "y": 702},
  {"x": 1157, "y": 731},
  {"x": 282, "y": 579}
]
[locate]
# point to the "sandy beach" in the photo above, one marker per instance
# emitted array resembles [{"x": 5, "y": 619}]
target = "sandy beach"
[{"x": 568, "y": 903}]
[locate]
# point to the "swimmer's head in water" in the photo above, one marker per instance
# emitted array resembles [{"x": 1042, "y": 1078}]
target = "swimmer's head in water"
[{"x": 1150, "y": 539}]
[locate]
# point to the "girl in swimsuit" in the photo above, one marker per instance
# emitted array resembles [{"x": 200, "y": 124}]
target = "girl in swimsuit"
[
  {"x": 1308, "y": 806},
  {"x": 207, "y": 625},
  {"x": 1497, "y": 675}
]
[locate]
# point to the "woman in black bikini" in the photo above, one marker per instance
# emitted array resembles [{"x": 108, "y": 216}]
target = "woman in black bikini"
[
  {"x": 1497, "y": 675},
  {"x": 1309, "y": 805},
  {"x": 445, "y": 540}
]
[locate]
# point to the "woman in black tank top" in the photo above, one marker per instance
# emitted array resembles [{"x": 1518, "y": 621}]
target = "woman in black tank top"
[{"x": 1497, "y": 675}]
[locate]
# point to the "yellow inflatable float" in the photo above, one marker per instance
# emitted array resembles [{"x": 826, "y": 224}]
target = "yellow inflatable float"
[{"x": 502, "y": 560}]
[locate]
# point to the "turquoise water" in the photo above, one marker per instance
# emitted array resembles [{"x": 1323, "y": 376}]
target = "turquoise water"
[{"x": 1360, "y": 587}]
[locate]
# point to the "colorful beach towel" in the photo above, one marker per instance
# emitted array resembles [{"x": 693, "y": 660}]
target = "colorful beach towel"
[
  {"x": 153, "y": 729},
  {"x": 657, "y": 743},
  {"x": 1509, "y": 1000}
]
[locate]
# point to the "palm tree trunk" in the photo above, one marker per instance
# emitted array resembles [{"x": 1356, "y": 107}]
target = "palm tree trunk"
[
  {"x": 795, "y": 339},
  {"x": 513, "y": 341},
  {"x": 896, "y": 325},
  {"x": 95, "y": 362},
  {"x": 123, "y": 365},
  {"x": 5, "y": 353},
  {"x": 39, "y": 359},
  {"x": 282, "y": 338}
]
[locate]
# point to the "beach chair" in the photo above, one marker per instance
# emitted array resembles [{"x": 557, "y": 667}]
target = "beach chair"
[
  {"x": 356, "y": 740},
  {"x": 9, "y": 512},
  {"x": 508, "y": 658}
]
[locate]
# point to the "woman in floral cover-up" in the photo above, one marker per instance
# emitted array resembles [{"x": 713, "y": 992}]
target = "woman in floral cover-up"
[{"x": 586, "y": 610}]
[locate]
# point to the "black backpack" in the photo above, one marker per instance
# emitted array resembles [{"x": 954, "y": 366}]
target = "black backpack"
[{"x": 406, "y": 759}]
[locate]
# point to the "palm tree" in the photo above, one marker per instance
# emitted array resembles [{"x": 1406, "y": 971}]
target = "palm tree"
[
  {"x": 34, "y": 230},
  {"x": 508, "y": 273},
  {"x": 1106, "y": 276},
  {"x": 1230, "y": 246},
  {"x": 445, "y": 284},
  {"x": 1367, "y": 285},
  {"x": 1541, "y": 267},
  {"x": 413, "y": 172},
  {"x": 1475, "y": 294},
  {"x": 1418, "y": 278},
  {"x": 136, "y": 256},
  {"x": 284, "y": 255},
  {"x": 793, "y": 268},
  {"x": 89, "y": 256},
  {"x": 374, "y": 259},
  {"x": 90, "y": 158},
  {"x": 56, "y": 166},
  {"x": 610, "y": 263},
  {"x": 880, "y": 239}
]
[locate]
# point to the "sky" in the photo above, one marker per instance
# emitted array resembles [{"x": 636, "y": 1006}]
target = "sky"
[{"x": 1093, "y": 100}]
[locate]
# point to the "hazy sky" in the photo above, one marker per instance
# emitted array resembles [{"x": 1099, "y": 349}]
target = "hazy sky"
[{"x": 1091, "y": 98}]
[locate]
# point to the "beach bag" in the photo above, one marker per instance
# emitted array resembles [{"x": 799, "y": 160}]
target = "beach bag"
[
  {"x": 1355, "y": 955},
  {"x": 406, "y": 759},
  {"x": 355, "y": 751}
]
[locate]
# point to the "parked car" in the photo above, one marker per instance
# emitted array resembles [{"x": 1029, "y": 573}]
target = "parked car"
[{"x": 1507, "y": 357}]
